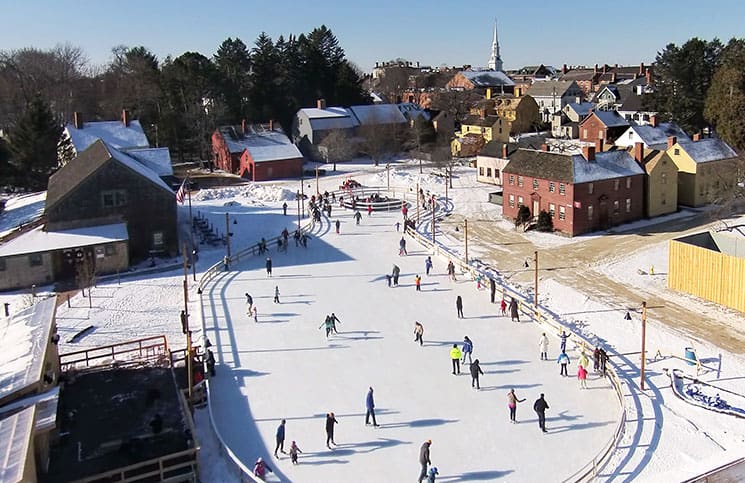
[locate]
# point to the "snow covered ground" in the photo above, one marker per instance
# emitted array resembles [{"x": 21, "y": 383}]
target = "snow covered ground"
[{"x": 417, "y": 396}]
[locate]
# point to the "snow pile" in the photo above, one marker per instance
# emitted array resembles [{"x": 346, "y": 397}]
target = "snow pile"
[
  {"x": 408, "y": 179},
  {"x": 253, "y": 193},
  {"x": 21, "y": 209},
  {"x": 709, "y": 396}
]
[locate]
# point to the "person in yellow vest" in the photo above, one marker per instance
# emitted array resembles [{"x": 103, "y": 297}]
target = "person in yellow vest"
[
  {"x": 583, "y": 360},
  {"x": 455, "y": 355}
]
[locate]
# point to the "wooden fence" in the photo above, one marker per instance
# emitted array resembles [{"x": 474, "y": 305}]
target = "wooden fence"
[{"x": 138, "y": 351}]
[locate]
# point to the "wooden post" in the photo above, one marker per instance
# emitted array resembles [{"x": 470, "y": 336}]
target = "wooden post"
[
  {"x": 644, "y": 341},
  {"x": 318, "y": 191},
  {"x": 465, "y": 231},
  {"x": 227, "y": 234},
  {"x": 297, "y": 197},
  {"x": 416, "y": 199},
  {"x": 388, "y": 175},
  {"x": 189, "y": 368},
  {"x": 447, "y": 176},
  {"x": 433, "y": 220},
  {"x": 535, "y": 262}
]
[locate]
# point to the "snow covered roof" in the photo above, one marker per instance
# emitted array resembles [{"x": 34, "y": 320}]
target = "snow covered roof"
[
  {"x": 157, "y": 159},
  {"x": 270, "y": 146},
  {"x": 652, "y": 137},
  {"x": 550, "y": 88},
  {"x": 23, "y": 342},
  {"x": 572, "y": 168},
  {"x": 607, "y": 165},
  {"x": 708, "y": 149},
  {"x": 488, "y": 78},
  {"x": 582, "y": 109},
  {"x": 314, "y": 113},
  {"x": 137, "y": 166},
  {"x": 15, "y": 440},
  {"x": 114, "y": 133},
  {"x": 378, "y": 114},
  {"x": 38, "y": 240},
  {"x": 329, "y": 118},
  {"x": 411, "y": 111},
  {"x": 609, "y": 118}
]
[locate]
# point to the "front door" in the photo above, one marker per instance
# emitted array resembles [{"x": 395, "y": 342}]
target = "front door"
[{"x": 536, "y": 207}]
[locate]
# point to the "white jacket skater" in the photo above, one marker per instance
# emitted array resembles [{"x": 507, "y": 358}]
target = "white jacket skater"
[{"x": 543, "y": 346}]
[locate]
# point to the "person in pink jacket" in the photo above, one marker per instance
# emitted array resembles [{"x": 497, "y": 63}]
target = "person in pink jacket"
[{"x": 582, "y": 376}]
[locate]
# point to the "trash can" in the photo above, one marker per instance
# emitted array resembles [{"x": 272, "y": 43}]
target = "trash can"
[{"x": 690, "y": 356}]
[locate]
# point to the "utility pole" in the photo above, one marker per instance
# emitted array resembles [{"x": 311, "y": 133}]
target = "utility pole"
[
  {"x": 388, "y": 175},
  {"x": 297, "y": 197},
  {"x": 433, "y": 220},
  {"x": 535, "y": 262},
  {"x": 465, "y": 231},
  {"x": 318, "y": 191},
  {"x": 227, "y": 236},
  {"x": 189, "y": 368},
  {"x": 644, "y": 341},
  {"x": 416, "y": 198}
]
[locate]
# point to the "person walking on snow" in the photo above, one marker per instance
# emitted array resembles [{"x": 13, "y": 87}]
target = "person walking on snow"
[
  {"x": 328, "y": 324},
  {"x": 418, "y": 283},
  {"x": 398, "y": 226},
  {"x": 455, "y": 355},
  {"x": 402, "y": 247},
  {"x": 514, "y": 313},
  {"x": 539, "y": 406},
  {"x": 280, "y": 436},
  {"x": 582, "y": 376},
  {"x": 357, "y": 217},
  {"x": 269, "y": 266},
  {"x": 330, "y": 422},
  {"x": 451, "y": 270},
  {"x": 467, "y": 349},
  {"x": 260, "y": 469},
  {"x": 583, "y": 361},
  {"x": 395, "y": 273},
  {"x": 543, "y": 347},
  {"x": 503, "y": 307},
  {"x": 459, "y": 306},
  {"x": 276, "y": 294},
  {"x": 564, "y": 336},
  {"x": 334, "y": 320},
  {"x": 294, "y": 450},
  {"x": 338, "y": 225},
  {"x": 284, "y": 208},
  {"x": 424, "y": 459},
  {"x": 475, "y": 371},
  {"x": 603, "y": 361},
  {"x": 249, "y": 303},
  {"x": 512, "y": 401},
  {"x": 418, "y": 332},
  {"x": 428, "y": 265},
  {"x": 596, "y": 359},
  {"x": 370, "y": 407},
  {"x": 492, "y": 288},
  {"x": 563, "y": 360}
]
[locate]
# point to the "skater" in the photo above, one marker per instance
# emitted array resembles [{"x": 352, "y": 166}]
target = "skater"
[
  {"x": 185, "y": 322},
  {"x": 603, "y": 361},
  {"x": 370, "y": 406},
  {"x": 459, "y": 306},
  {"x": 563, "y": 360},
  {"x": 467, "y": 349},
  {"x": 369, "y": 209},
  {"x": 296, "y": 237},
  {"x": 432, "y": 474},
  {"x": 294, "y": 450},
  {"x": 284, "y": 208},
  {"x": 539, "y": 406},
  {"x": 398, "y": 226},
  {"x": 503, "y": 307},
  {"x": 328, "y": 324},
  {"x": 543, "y": 347},
  {"x": 260, "y": 469},
  {"x": 418, "y": 332},
  {"x": 583, "y": 361},
  {"x": 512, "y": 401},
  {"x": 357, "y": 216},
  {"x": 402, "y": 247},
  {"x": 564, "y": 336},
  {"x": 582, "y": 376},
  {"x": 210, "y": 363},
  {"x": 424, "y": 459},
  {"x": 256, "y": 315},
  {"x": 388, "y": 278},
  {"x": 280, "y": 436},
  {"x": 249, "y": 304},
  {"x": 338, "y": 225},
  {"x": 405, "y": 212},
  {"x": 269, "y": 266},
  {"x": 451, "y": 270},
  {"x": 455, "y": 355},
  {"x": 428, "y": 265},
  {"x": 418, "y": 283},
  {"x": 492, "y": 288},
  {"x": 334, "y": 320},
  {"x": 330, "y": 422},
  {"x": 514, "y": 312},
  {"x": 276, "y": 294},
  {"x": 596, "y": 359},
  {"x": 395, "y": 273},
  {"x": 475, "y": 371}
]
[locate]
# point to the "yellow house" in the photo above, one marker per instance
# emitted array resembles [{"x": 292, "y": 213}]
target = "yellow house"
[
  {"x": 661, "y": 183},
  {"x": 706, "y": 169}
]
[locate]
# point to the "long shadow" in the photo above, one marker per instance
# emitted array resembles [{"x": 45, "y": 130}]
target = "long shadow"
[
  {"x": 323, "y": 415},
  {"x": 242, "y": 372},
  {"x": 578, "y": 427},
  {"x": 370, "y": 446},
  {"x": 296, "y": 349},
  {"x": 419, "y": 423},
  {"x": 507, "y": 362},
  {"x": 502, "y": 371},
  {"x": 477, "y": 475},
  {"x": 514, "y": 386},
  {"x": 443, "y": 343}
]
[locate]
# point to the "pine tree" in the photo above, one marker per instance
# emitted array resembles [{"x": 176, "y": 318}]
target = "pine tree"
[
  {"x": 233, "y": 63},
  {"x": 725, "y": 99},
  {"x": 265, "y": 80},
  {"x": 544, "y": 223},
  {"x": 35, "y": 142}
]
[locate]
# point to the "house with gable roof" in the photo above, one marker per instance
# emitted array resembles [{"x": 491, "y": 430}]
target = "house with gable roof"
[
  {"x": 565, "y": 124},
  {"x": 491, "y": 160},
  {"x": 652, "y": 136},
  {"x": 486, "y": 82},
  {"x": 311, "y": 125},
  {"x": 605, "y": 125},
  {"x": 552, "y": 95},
  {"x": 582, "y": 192},
  {"x": 661, "y": 182},
  {"x": 707, "y": 169}
]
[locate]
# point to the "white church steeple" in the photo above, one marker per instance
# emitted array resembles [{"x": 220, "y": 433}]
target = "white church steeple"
[{"x": 495, "y": 60}]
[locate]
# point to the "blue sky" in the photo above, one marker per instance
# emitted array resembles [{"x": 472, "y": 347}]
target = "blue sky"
[{"x": 433, "y": 32}]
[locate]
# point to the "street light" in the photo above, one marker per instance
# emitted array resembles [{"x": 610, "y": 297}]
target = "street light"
[
  {"x": 644, "y": 341},
  {"x": 465, "y": 233},
  {"x": 535, "y": 262},
  {"x": 388, "y": 175}
]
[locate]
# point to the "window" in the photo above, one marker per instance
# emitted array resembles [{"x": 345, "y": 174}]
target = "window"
[
  {"x": 628, "y": 183},
  {"x": 584, "y": 133},
  {"x": 512, "y": 201},
  {"x": 488, "y": 172},
  {"x": 512, "y": 179},
  {"x": 616, "y": 184},
  {"x": 110, "y": 250},
  {"x": 520, "y": 200},
  {"x": 589, "y": 212},
  {"x": 35, "y": 260},
  {"x": 562, "y": 212},
  {"x": 663, "y": 198},
  {"x": 663, "y": 178},
  {"x": 158, "y": 240},
  {"x": 562, "y": 189},
  {"x": 616, "y": 207},
  {"x": 676, "y": 151},
  {"x": 589, "y": 188},
  {"x": 520, "y": 181},
  {"x": 551, "y": 187},
  {"x": 631, "y": 134},
  {"x": 2, "y": 265},
  {"x": 628, "y": 205},
  {"x": 535, "y": 184},
  {"x": 481, "y": 171},
  {"x": 551, "y": 209},
  {"x": 113, "y": 198}
]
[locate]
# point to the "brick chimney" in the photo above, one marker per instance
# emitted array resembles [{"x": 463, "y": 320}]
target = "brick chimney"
[
  {"x": 588, "y": 152},
  {"x": 321, "y": 103},
  {"x": 599, "y": 144},
  {"x": 77, "y": 120},
  {"x": 271, "y": 124},
  {"x": 641, "y": 68},
  {"x": 504, "y": 151},
  {"x": 653, "y": 120},
  {"x": 648, "y": 75},
  {"x": 614, "y": 77},
  {"x": 595, "y": 70},
  {"x": 243, "y": 127},
  {"x": 671, "y": 141},
  {"x": 605, "y": 68},
  {"x": 697, "y": 137},
  {"x": 638, "y": 152},
  {"x": 125, "y": 117},
  {"x": 564, "y": 69},
  {"x": 482, "y": 113}
]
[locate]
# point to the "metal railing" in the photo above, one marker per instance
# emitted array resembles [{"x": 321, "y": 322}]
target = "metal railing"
[{"x": 129, "y": 352}]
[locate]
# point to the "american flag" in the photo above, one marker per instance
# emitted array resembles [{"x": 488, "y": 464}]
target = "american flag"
[{"x": 181, "y": 193}]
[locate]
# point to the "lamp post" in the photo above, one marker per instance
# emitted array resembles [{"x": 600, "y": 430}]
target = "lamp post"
[
  {"x": 189, "y": 368},
  {"x": 227, "y": 237},
  {"x": 416, "y": 200},
  {"x": 318, "y": 191},
  {"x": 433, "y": 220},
  {"x": 297, "y": 197},
  {"x": 644, "y": 341},
  {"x": 535, "y": 263},
  {"x": 465, "y": 233},
  {"x": 388, "y": 175}
]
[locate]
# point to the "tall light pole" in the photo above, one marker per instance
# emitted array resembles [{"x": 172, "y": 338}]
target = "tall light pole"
[
  {"x": 644, "y": 341},
  {"x": 227, "y": 237},
  {"x": 318, "y": 191},
  {"x": 465, "y": 231},
  {"x": 416, "y": 198},
  {"x": 388, "y": 175},
  {"x": 535, "y": 262},
  {"x": 189, "y": 368},
  {"x": 297, "y": 197},
  {"x": 433, "y": 220}
]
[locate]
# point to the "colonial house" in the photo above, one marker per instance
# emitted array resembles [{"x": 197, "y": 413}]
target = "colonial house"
[
  {"x": 520, "y": 112},
  {"x": 582, "y": 193},
  {"x": 495, "y": 81},
  {"x": 706, "y": 169},
  {"x": 488, "y": 127},
  {"x": 258, "y": 152},
  {"x": 652, "y": 136},
  {"x": 627, "y": 98},
  {"x": 661, "y": 182},
  {"x": 491, "y": 160},
  {"x": 605, "y": 125},
  {"x": 552, "y": 95},
  {"x": 466, "y": 145},
  {"x": 311, "y": 125},
  {"x": 565, "y": 124},
  {"x": 444, "y": 124},
  {"x": 591, "y": 80}
]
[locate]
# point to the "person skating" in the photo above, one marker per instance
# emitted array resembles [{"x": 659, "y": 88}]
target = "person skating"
[
  {"x": 269, "y": 266},
  {"x": 432, "y": 475},
  {"x": 603, "y": 361},
  {"x": 357, "y": 217},
  {"x": 543, "y": 346},
  {"x": 334, "y": 320},
  {"x": 284, "y": 208},
  {"x": 294, "y": 450},
  {"x": 503, "y": 307},
  {"x": 370, "y": 407},
  {"x": 280, "y": 437},
  {"x": 514, "y": 312},
  {"x": 388, "y": 277},
  {"x": 418, "y": 283},
  {"x": 402, "y": 247},
  {"x": 260, "y": 468},
  {"x": 455, "y": 355},
  {"x": 249, "y": 303},
  {"x": 428, "y": 265},
  {"x": 369, "y": 209},
  {"x": 418, "y": 332},
  {"x": 276, "y": 294},
  {"x": 256, "y": 315},
  {"x": 459, "y": 306},
  {"x": 512, "y": 401},
  {"x": 330, "y": 422},
  {"x": 451, "y": 270},
  {"x": 395, "y": 273},
  {"x": 492, "y": 289},
  {"x": 539, "y": 406},
  {"x": 210, "y": 362},
  {"x": 467, "y": 349},
  {"x": 564, "y": 336},
  {"x": 583, "y": 360},
  {"x": 475, "y": 371},
  {"x": 563, "y": 360},
  {"x": 328, "y": 324},
  {"x": 338, "y": 225},
  {"x": 582, "y": 376},
  {"x": 424, "y": 459}
]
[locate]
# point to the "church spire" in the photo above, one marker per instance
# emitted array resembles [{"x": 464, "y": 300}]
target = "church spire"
[{"x": 495, "y": 60}]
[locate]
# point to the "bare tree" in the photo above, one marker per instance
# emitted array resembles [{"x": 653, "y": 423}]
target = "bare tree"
[{"x": 337, "y": 146}]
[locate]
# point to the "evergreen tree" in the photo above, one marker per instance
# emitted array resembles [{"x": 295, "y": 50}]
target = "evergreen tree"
[
  {"x": 233, "y": 63},
  {"x": 544, "y": 223},
  {"x": 265, "y": 79},
  {"x": 34, "y": 143},
  {"x": 725, "y": 99}
]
